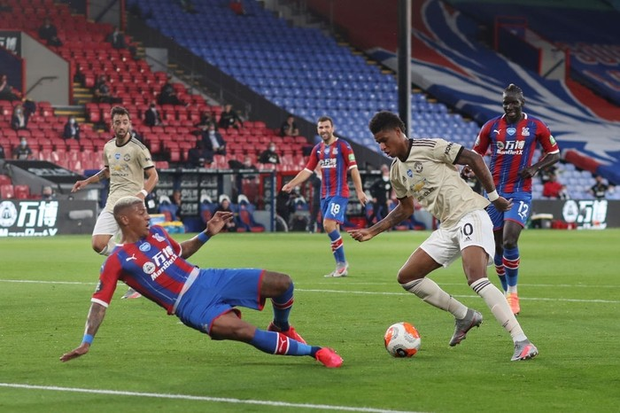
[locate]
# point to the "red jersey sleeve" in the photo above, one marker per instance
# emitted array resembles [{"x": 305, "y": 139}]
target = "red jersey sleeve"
[
  {"x": 546, "y": 139},
  {"x": 483, "y": 141},
  {"x": 110, "y": 273},
  {"x": 313, "y": 160},
  {"x": 348, "y": 155}
]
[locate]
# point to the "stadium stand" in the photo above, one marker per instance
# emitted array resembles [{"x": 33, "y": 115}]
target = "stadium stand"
[
  {"x": 133, "y": 81},
  {"x": 584, "y": 29},
  {"x": 262, "y": 51},
  {"x": 245, "y": 211},
  {"x": 458, "y": 68}
]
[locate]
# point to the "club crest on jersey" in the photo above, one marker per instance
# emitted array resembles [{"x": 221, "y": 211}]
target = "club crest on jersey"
[
  {"x": 145, "y": 247},
  {"x": 525, "y": 131},
  {"x": 148, "y": 268},
  {"x": 417, "y": 167},
  {"x": 511, "y": 131},
  {"x": 117, "y": 156},
  {"x": 127, "y": 157},
  {"x": 409, "y": 173}
]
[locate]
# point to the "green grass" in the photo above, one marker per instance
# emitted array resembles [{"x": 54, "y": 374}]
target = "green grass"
[{"x": 570, "y": 309}]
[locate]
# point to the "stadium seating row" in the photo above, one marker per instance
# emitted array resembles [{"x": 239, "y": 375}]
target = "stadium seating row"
[
  {"x": 243, "y": 210},
  {"x": 263, "y": 54}
]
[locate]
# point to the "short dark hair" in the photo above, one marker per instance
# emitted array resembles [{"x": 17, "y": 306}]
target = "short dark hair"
[
  {"x": 512, "y": 88},
  {"x": 119, "y": 110},
  {"x": 325, "y": 119},
  {"x": 385, "y": 120}
]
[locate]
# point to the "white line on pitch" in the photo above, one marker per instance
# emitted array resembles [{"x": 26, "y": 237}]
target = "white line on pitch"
[
  {"x": 570, "y": 300},
  {"x": 203, "y": 398},
  {"x": 352, "y": 284},
  {"x": 49, "y": 282},
  {"x": 393, "y": 282}
]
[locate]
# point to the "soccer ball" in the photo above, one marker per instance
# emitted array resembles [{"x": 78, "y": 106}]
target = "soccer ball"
[{"x": 402, "y": 340}]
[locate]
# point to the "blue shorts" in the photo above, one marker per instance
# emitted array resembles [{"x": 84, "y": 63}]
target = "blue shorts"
[
  {"x": 520, "y": 211},
  {"x": 216, "y": 292},
  {"x": 334, "y": 208}
]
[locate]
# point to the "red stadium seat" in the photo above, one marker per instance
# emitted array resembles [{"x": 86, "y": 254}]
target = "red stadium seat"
[
  {"x": 175, "y": 155},
  {"x": 21, "y": 191},
  {"x": 7, "y": 191},
  {"x": 73, "y": 145},
  {"x": 87, "y": 145}
]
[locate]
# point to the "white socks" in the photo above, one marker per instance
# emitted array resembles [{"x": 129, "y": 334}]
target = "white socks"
[
  {"x": 496, "y": 301},
  {"x": 429, "y": 291}
]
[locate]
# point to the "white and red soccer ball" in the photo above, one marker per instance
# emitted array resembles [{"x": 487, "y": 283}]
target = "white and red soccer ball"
[{"x": 402, "y": 340}]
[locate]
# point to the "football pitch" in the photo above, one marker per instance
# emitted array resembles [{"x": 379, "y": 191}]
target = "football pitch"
[{"x": 144, "y": 360}]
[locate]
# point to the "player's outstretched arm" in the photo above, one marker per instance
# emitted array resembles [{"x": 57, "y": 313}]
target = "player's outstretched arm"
[
  {"x": 361, "y": 235},
  {"x": 216, "y": 224},
  {"x": 102, "y": 174},
  {"x": 403, "y": 210},
  {"x": 94, "y": 320},
  {"x": 302, "y": 176}
]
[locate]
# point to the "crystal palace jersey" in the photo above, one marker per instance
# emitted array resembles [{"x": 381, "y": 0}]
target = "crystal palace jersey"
[
  {"x": 512, "y": 149},
  {"x": 152, "y": 266},
  {"x": 335, "y": 160}
]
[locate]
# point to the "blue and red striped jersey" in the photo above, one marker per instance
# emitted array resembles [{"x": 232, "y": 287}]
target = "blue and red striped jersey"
[
  {"x": 335, "y": 161},
  {"x": 512, "y": 148},
  {"x": 152, "y": 266}
]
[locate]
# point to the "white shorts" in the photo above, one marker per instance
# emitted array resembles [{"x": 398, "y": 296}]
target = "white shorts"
[
  {"x": 106, "y": 224},
  {"x": 475, "y": 228}
]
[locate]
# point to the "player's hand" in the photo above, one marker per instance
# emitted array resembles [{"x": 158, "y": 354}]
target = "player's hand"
[
  {"x": 218, "y": 222},
  {"x": 467, "y": 172},
  {"x": 78, "y": 185},
  {"x": 528, "y": 172},
  {"x": 363, "y": 198},
  {"x": 80, "y": 351},
  {"x": 502, "y": 204},
  {"x": 287, "y": 188},
  {"x": 360, "y": 235}
]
